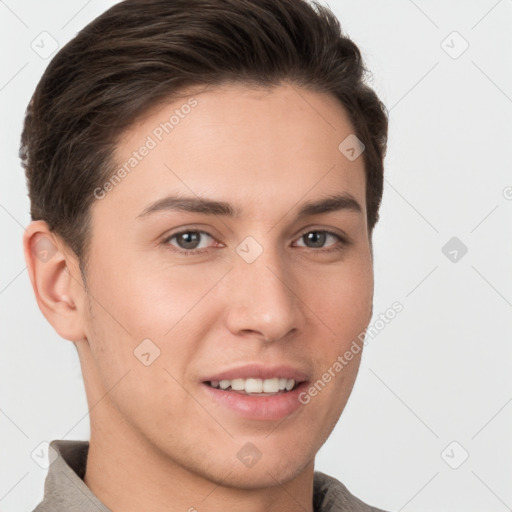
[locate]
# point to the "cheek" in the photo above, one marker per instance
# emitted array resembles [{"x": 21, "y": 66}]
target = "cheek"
[
  {"x": 342, "y": 299},
  {"x": 151, "y": 299},
  {"x": 343, "y": 307},
  {"x": 139, "y": 309}
]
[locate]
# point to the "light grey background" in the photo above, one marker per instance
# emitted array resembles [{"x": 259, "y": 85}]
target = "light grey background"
[{"x": 441, "y": 370}]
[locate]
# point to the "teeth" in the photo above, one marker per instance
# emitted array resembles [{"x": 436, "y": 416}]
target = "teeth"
[
  {"x": 238, "y": 384},
  {"x": 273, "y": 385},
  {"x": 253, "y": 385}
]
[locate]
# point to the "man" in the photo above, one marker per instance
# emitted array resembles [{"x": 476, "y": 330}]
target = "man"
[{"x": 204, "y": 177}]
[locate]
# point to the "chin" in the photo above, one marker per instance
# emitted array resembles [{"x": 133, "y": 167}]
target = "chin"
[
  {"x": 260, "y": 477},
  {"x": 273, "y": 467}
]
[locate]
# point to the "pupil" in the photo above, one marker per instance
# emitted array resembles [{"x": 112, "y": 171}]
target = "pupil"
[
  {"x": 187, "y": 237},
  {"x": 314, "y": 236}
]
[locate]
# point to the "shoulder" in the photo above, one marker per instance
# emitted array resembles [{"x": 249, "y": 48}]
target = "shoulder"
[{"x": 330, "y": 495}]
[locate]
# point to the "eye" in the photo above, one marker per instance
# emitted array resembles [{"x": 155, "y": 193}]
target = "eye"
[
  {"x": 317, "y": 239},
  {"x": 189, "y": 241}
]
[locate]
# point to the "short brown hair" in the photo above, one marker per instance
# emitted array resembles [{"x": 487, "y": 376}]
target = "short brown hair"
[{"x": 142, "y": 52}]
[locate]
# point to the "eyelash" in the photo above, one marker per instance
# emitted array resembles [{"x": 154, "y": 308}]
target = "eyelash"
[{"x": 190, "y": 252}]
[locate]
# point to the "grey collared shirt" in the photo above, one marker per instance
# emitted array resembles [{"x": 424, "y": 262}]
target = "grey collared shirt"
[{"x": 65, "y": 490}]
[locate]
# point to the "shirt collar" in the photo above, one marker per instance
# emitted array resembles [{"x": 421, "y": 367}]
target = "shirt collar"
[{"x": 64, "y": 488}]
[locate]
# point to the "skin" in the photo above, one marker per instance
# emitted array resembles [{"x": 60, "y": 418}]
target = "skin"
[{"x": 154, "y": 429}]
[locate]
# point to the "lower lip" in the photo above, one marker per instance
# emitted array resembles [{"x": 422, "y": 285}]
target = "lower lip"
[{"x": 272, "y": 407}]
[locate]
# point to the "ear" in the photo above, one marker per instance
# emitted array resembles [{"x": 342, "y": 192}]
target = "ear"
[{"x": 56, "y": 280}]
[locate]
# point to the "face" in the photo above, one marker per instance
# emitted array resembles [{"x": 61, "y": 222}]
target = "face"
[{"x": 199, "y": 314}]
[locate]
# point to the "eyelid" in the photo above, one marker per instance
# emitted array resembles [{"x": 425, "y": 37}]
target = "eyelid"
[
  {"x": 168, "y": 238},
  {"x": 343, "y": 239}
]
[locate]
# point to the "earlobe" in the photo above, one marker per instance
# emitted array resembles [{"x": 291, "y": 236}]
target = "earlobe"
[{"x": 57, "y": 285}]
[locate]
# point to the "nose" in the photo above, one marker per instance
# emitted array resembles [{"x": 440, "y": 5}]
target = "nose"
[{"x": 263, "y": 301}]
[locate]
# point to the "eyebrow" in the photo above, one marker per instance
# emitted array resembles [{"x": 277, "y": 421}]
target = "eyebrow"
[{"x": 344, "y": 201}]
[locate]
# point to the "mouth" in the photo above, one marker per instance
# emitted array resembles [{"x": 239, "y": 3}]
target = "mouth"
[
  {"x": 256, "y": 387},
  {"x": 257, "y": 392}
]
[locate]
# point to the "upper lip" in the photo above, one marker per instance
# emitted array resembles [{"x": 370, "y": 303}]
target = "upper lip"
[{"x": 259, "y": 371}]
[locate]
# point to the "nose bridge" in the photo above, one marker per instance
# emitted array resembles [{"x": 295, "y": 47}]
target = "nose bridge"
[{"x": 263, "y": 298}]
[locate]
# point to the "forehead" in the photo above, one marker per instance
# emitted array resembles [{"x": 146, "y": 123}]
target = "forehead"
[{"x": 240, "y": 144}]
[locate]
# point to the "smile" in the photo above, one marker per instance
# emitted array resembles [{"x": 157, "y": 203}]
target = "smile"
[{"x": 255, "y": 386}]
